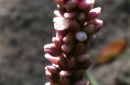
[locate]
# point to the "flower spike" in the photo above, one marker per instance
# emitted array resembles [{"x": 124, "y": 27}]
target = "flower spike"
[{"x": 76, "y": 24}]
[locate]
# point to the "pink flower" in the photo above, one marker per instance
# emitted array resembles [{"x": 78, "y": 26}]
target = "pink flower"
[
  {"x": 60, "y": 23},
  {"x": 81, "y": 36}
]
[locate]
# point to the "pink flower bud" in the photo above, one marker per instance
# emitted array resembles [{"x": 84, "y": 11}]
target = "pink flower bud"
[
  {"x": 87, "y": 46},
  {"x": 57, "y": 13},
  {"x": 51, "y": 69},
  {"x": 90, "y": 39},
  {"x": 94, "y": 13},
  {"x": 93, "y": 27},
  {"x": 61, "y": 9},
  {"x": 82, "y": 82},
  {"x": 70, "y": 15},
  {"x": 69, "y": 38},
  {"x": 80, "y": 36},
  {"x": 65, "y": 73},
  {"x": 74, "y": 26},
  {"x": 60, "y": 34},
  {"x": 77, "y": 73},
  {"x": 79, "y": 48},
  {"x": 81, "y": 16},
  {"x": 98, "y": 24},
  {"x": 89, "y": 28},
  {"x": 52, "y": 59},
  {"x": 65, "y": 81},
  {"x": 61, "y": 23},
  {"x": 57, "y": 42},
  {"x": 52, "y": 49},
  {"x": 82, "y": 57},
  {"x": 62, "y": 63},
  {"x": 51, "y": 83},
  {"x": 84, "y": 4},
  {"x": 71, "y": 4},
  {"x": 85, "y": 64},
  {"x": 66, "y": 48},
  {"x": 60, "y": 2},
  {"x": 53, "y": 77},
  {"x": 57, "y": 67},
  {"x": 71, "y": 62}
]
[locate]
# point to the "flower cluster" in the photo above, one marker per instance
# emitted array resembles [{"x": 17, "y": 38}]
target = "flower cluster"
[{"x": 75, "y": 24}]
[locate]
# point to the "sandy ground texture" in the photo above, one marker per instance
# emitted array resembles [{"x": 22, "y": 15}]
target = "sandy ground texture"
[{"x": 26, "y": 25}]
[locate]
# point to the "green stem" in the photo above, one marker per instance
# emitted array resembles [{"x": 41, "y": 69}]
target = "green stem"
[{"x": 91, "y": 79}]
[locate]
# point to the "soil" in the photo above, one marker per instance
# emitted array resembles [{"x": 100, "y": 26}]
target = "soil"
[{"x": 26, "y": 26}]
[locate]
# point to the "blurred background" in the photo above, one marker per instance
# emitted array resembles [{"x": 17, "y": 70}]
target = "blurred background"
[{"x": 26, "y": 26}]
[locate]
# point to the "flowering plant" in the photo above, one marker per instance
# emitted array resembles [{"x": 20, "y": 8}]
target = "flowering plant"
[{"x": 75, "y": 24}]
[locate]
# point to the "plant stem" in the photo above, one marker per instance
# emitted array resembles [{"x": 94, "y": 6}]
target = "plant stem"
[{"x": 91, "y": 79}]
